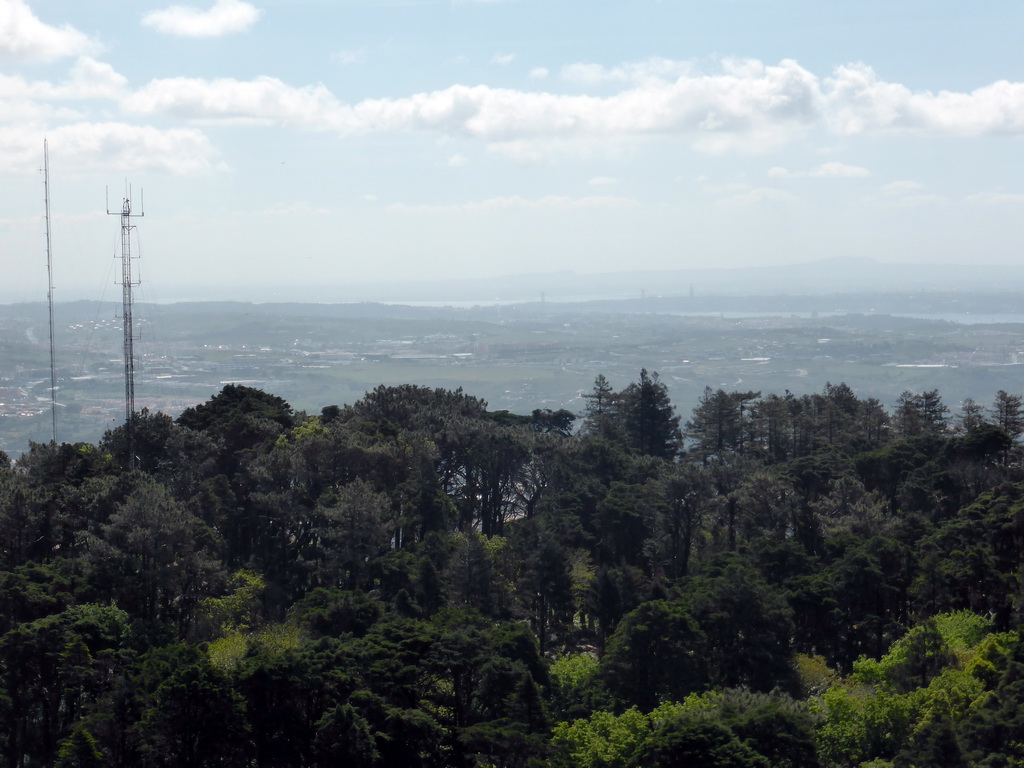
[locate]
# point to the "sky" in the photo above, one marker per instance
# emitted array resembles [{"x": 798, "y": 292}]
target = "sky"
[{"x": 308, "y": 147}]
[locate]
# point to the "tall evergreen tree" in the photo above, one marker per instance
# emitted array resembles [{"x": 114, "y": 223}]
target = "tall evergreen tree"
[{"x": 1008, "y": 412}]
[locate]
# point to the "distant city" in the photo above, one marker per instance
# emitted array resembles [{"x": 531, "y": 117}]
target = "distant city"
[{"x": 517, "y": 356}]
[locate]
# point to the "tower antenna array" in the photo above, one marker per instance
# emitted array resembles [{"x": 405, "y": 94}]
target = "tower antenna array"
[
  {"x": 127, "y": 283},
  {"x": 49, "y": 292}
]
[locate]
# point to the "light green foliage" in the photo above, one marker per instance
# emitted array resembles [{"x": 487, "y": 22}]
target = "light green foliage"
[
  {"x": 923, "y": 652},
  {"x": 227, "y": 652},
  {"x": 814, "y": 676},
  {"x": 576, "y": 687},
  {"x": 839, "y": 734},
  {"x": 277, "y": 639},
  {"x": 308, "y": 429},
  {"x": 573, "y": 672},
  {"x": 583, "y": 574},
  {"x": 962, "y": 630},
  {"x": 238, "y": 611},
  {"x": 953, "y": 692},
  {"x": 603, "y": 740},
  {"x": 880, "y": 709},
  {"x": 986, "y": 663},
  {"x": 606, "y": 740},
  {"x": 694, "y": 704},
  {"x": 858, "y": 723}
]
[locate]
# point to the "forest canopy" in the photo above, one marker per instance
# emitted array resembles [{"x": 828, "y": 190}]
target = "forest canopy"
[{"x": 416, "y": 580}]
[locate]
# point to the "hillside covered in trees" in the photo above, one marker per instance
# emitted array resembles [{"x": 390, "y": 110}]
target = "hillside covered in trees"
[{"x": 414, "y": 580}]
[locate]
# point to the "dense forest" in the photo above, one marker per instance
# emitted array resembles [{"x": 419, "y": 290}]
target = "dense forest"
[{"x": 415, "y": 580}]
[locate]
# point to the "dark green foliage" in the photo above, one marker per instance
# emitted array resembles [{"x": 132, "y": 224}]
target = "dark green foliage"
[
  {"x": 546, "y": 586},
  {"x": 152, "y": 557},
  {"x": 344, "y": 737},
  {"x": 870, "y": 580},
  {"x": 285, "y": 697},
  {"x": 774, "y": 726},
  {"x": 641, "y": 417},
  {"x": 53, "y": 669},
  {"x": 748, "y": 628},
  {"x": 414, "y": 580},
  {"x": 920, "y": 413},
  {"x": 558, "y": 422},
  {"x": 1008, "y": 413},
  {"x": 657, "y": 653},
  {"x": 79, "y": 750},
  {"x": 232, "y": 403},
  {"x": 331, "y": 612},
  {"x": 933, "y": 743},
  {"x": 719, "y": 424},
  {"x": 193, "y": 717},
  {"x": 974, "y": 559},
  {"x": 614, "y": 593},
  {"x": 686, "y": 742},
  {"x": 926, "y": 655},
  {"x": 994, "y": 733}
]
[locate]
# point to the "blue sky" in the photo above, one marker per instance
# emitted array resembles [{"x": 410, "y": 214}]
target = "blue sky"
[{"x": 325, "y": 144}]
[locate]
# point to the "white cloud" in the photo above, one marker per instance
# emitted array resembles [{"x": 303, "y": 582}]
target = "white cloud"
[
  {"x": 825, "y": 171},
  {"x": 119, "y": 147},
  {"x": 357, "y": 56},
  {"x": 288, "y": 210},
  {"x": 902, "y": 187},
  {"x": 224, "y": 18},
  {"x": 652, "y": 69},
  {"x": 745, "y": 107},
  {"x": 265, "y": 99},
  {"x": 543, "y": 150},
  {"x": 996, "y": 198},
  {"x": 534, "y": 152},
  {"x": 760, "y": 195},
  {"x": 749, "y": 106},
  {"x": 503, "y": 58},
  {"x": 457, "y": 161},
  {"x": 550, "y": 202},
  {"x": 539, "y": 73},
  {"x": 910, "y": 194},
  {"x": 91, "y": 79},
  {"x": 23, "y": 35},
  {"x": 603, "y": 181},
  {"x": 861, "y": 103},
  {"x": 840, "y": 171},
  {"x": 752, "y": 107}
]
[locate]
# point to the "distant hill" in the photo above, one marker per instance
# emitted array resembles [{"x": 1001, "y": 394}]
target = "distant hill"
[{"x": 828, "y": 276}]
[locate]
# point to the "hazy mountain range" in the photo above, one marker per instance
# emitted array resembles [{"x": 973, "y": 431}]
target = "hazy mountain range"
[{"x": 825, "y": 277}]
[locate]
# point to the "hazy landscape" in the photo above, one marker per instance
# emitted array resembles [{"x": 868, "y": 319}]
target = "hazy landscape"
[
  {"x": 518, "y": 355},
  {"x": 517, "y": 384}
]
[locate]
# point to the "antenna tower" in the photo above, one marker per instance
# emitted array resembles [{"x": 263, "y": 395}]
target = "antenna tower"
[
  {"x": 49, "y": 292},
  {"x": 127, "y": 283}
]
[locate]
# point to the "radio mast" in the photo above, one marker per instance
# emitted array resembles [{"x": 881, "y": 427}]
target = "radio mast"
[
  {"x": 127, "y": 283},
  {"x": 49, "y": 292}
]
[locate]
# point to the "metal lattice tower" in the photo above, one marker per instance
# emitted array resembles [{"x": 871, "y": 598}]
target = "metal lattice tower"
[
  {"x": 127, "y": 306},
  {"x": 49, "y": 293}
]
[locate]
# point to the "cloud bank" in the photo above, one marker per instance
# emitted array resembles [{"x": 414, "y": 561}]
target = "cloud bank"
[
  {"x": 748, "y": 105},
  {"x": 25, "y": 36},
  {"x": 226, "y": 17},
  {"x": 745, "y": 106}
]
